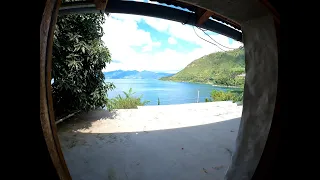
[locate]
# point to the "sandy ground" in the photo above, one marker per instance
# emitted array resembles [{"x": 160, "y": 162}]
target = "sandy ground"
[{"x": 168, "y": 142}]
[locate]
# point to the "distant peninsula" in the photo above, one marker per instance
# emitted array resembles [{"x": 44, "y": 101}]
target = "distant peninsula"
[{"x": 220, "y": 68}]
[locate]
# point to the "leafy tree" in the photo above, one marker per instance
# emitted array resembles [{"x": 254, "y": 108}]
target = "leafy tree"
[{"x": 79, "y": 56}]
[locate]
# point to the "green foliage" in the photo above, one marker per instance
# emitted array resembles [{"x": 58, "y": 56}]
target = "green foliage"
[
  {"x": 222, "y": 96},
  {"x": 221, "y": 68},
  {"x": 208, "y": 100},
  {"x": 126, "y": 102},
  {"x": 79, "y": 56},
  {"x": 238, "y": 95},
  {"x": 158, "y": 101},
  {"x": 235, "y": 96}
]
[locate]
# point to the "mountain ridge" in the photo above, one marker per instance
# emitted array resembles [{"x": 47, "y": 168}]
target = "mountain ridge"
[
  {"x": 134, "y": 74},
  {"x": 220, "y": 68}
]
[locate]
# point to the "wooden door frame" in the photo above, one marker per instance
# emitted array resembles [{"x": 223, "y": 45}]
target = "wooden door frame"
[{"x": 47, "y": 119}]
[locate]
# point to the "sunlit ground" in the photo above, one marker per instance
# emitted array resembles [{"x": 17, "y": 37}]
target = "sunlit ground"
[{"x": 187, "y": 141}]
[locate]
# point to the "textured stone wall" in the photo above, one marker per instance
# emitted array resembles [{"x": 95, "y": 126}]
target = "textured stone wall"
[{"x": 261, "y": 57}]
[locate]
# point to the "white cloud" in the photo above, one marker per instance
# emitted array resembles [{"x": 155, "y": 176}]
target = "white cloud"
[
  {"x": 172, "y": 40},
  {"x": 186, "y": 32},
  {"x": 156, "y": 44},
  {"x": 147, "y": 48},
  {"x": 123, "y": 38},
  {"x": 121, "y": 34}
]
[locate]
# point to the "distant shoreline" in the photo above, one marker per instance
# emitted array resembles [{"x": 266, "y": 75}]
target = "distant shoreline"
[
  {"x": 226, "y": 86},
  {"x": 215, "y": 85}
]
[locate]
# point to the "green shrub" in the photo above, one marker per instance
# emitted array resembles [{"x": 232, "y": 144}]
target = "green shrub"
[
  {"x": 127, "y": 102},
  {"x": 238, "y": 95},
  {"x": 208, "y": 100},
  {"x": 235, "y": 96}
]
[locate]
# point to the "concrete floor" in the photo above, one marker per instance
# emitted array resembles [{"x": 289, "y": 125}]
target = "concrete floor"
[{"x": 173, "y": 142}]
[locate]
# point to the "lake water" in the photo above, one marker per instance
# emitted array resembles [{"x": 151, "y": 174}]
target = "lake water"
[{"x": 167, "y": 92}]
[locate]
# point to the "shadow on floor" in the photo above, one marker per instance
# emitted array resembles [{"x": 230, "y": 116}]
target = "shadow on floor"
[
  {"x": 84, "y": 120},
  {"x": 200, "y": 152}
]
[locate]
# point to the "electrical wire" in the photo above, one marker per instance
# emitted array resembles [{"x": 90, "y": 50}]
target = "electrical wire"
[
  {"x": 207, "y": 40},
  {"x": 215, "y": 40},
  {"x": 207, "y": 35}
]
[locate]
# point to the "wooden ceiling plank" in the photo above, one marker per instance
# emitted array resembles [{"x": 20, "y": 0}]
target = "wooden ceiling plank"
[
  {"x": 100, "y": 4},
  {"x": 204, "y": 17}
]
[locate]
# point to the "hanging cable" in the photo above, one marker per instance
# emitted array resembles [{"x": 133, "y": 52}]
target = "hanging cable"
[
  {"x": 215, "y": 40},
  {"x": 195, "y": 22},
  {"x": 207, "y": 40}
]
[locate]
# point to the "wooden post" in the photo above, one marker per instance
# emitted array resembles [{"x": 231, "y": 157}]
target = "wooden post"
[
  {"x": 47, "y": 119},
  {"x": 198, "y": 97}
]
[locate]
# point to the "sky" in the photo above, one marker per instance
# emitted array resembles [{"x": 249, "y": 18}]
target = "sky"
[{"x": 153, "y": 44}]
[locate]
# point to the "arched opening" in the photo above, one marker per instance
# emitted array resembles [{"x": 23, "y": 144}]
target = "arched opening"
[{"x": 263, "y": 121}]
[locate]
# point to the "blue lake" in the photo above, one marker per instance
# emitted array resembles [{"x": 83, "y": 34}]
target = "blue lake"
[{"x": 167, "y": 92}]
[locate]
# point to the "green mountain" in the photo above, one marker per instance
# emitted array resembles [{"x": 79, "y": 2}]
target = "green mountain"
[
  {"x": 221, "y": 68},
  {"x": 120, "y": 74}
]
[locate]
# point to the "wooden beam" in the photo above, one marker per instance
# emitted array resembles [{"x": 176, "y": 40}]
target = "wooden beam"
[
  {"x": 158, "y": 11},
  {"x": 47, "y": 121},
  {"x": 226, "y": 20},
  {"x": 100, "y": 4},
  {"x": 206, "y": 14},
  {"x": 204, "y": 17}
]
